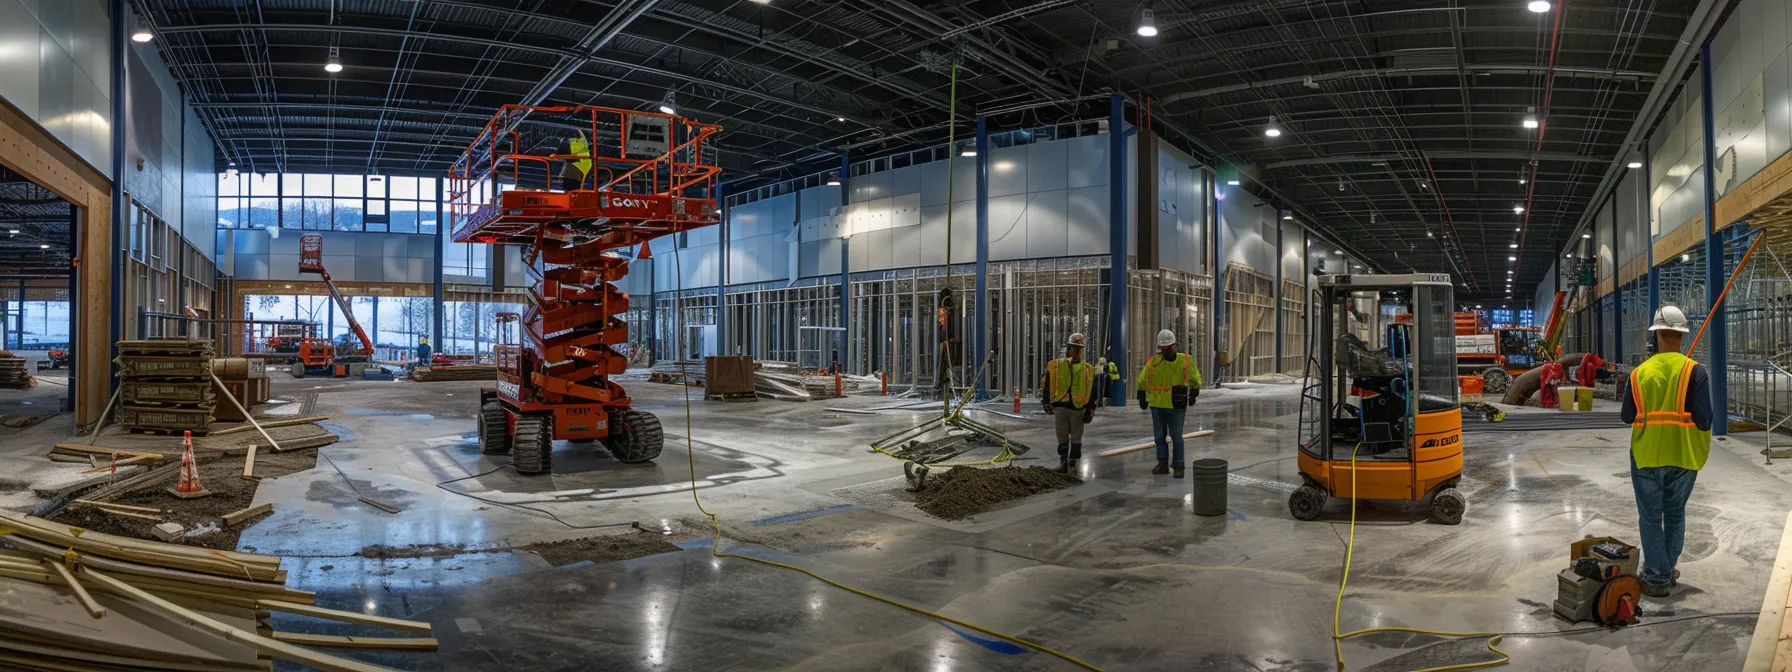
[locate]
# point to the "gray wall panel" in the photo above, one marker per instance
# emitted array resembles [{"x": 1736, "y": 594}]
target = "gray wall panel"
[
  {"x": 1007, "y": 171},
  {"x": 1048, "y": 166},
  {"x": 1048, "y": 224},
  {"x": 828, "y": 256},
  {"x": 858, "y": 253},
  {"x": 905, "y": 210},
  {"x": 1088, "y": 157},
  {"x": 878, "y": 251},
  {"x": 1779, "y": 108},
  {"x": 1088, "y": 215},
  {"x": 933, "y": 230},
  {"x": 905, "y": 180},
  {"x": 871, "y": 187},
  {"x": 1007, "y": 228},
  {"x": 20, "y": 51},
  {"x": 818, "y": 201},
  {"x": 933, "y": 182},
  {"x": 905, "y": 245}
]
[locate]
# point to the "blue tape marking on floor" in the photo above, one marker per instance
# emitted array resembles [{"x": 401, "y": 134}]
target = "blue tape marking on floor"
[
  {"x": 1258, "y": 464},
  {"x": 774, "y": 520},
  {"x": 1234, "y": 514},
  {"x": 996, "y": 645}
]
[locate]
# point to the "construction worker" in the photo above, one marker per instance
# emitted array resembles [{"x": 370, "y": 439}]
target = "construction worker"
[
  {"x": 1667, "y": 401},
  {"x": 1110, "y": 386},
  {"x": 573, "y": 171},
  {"x": 1168, "y": 384},
  {"x": 423, "y": 352},
  {"x": 1069, "y": 383}
]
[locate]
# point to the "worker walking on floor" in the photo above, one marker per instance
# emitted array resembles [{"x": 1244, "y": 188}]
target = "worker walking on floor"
[
  {"x": 1667, "y": 401},
  {"x": 1069, "y": 382},
  {"x": 1169, "y": 383}
]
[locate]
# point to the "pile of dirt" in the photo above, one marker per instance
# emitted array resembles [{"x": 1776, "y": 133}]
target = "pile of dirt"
[
  {"x": 384, "y": 552},
  {"x": 603, "y": 548},
  {"x": 220, "y": 474},
  {"x": 967, "y": 491}
]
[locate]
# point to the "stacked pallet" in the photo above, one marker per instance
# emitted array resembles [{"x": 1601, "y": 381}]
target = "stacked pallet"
[
  {"x": 167, "y": 386},
  {"x": 13, "y": 374},
  {"x": 433, "y": 374},
  {"x": 678, "y": 372},
  {"x": 78, "y": 600}
]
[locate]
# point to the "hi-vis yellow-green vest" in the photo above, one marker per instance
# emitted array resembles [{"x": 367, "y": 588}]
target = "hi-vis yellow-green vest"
[
  {"x": 1159, "y": 376},
  {"x": 1068, "y": 381},
  {"x": 1664, "y": 434},
  {"x": 582, "y": 147}
]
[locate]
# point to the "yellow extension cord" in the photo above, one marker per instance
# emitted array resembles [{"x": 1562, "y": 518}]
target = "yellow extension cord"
[{"x": 1493, "y": 638}]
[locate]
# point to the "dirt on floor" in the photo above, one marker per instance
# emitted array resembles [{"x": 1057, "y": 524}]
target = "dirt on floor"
[
  {"x": 219, "y": 474},
  {"x": 600, "y": 548},
  {"x": 967, "y": 491}
]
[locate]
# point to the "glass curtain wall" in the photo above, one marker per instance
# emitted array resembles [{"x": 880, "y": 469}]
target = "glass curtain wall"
[
  {"x": 320, "y": 202},
  {"x": 35, "y": 325}
]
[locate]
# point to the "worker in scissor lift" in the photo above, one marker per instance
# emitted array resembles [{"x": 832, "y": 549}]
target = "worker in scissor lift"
[{"x": 573, "y": 171}]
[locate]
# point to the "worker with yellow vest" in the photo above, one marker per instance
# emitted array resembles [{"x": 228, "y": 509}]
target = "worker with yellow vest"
[
  {"x": 1168, "y": 385},
  {"x": 1069, "y": 386},
  {"x": 573, "y": 171},
  {"x": 1667, "y": 401}
]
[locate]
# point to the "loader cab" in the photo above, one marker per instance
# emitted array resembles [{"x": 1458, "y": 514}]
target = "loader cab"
[{"x": 1382, "y": 384}]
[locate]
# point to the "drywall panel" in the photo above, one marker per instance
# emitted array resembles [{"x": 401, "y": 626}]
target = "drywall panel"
[
  {"x": 1048, "y": 224},
  {"x": 905, "y": 210},
  {"x": 1181, "y": 212},
  {"x": 1602, "y": 240},
  {"x": 858, "y": 253},
  {"x": 1242, "y": 221},
  {"x": 932, "y": 178},
  {"x": 1088, "y": 213},
  {"x": 1088, "y": 157},
  {"x": 905, "y": 180},
  {"x": 1008, "y": 171},
  {"x": 877, "y": 250},
  {"x": 1007, "y": 228},
  {"x": 1048, "y": 166},
  {"x": 1631, "y": 227},
  {"x": 20, "y": 50},
  {"x": 933, "y": 230},
  {"x": 905, "y": 244},
  {"x": 871, "y": 187},
  {"x": 819, "y": 201}
]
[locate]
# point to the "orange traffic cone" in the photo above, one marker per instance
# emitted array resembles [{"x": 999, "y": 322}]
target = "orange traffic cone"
[
  {"x": 189, "y": 486},
  {"x": 1017, "y": 400}
]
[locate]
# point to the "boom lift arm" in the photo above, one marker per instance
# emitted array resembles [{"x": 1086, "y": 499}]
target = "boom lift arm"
[{"x": 311, "y": 260}]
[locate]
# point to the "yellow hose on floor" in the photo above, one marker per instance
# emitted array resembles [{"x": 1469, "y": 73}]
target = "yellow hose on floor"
[{"x": 1493, "y": 638}]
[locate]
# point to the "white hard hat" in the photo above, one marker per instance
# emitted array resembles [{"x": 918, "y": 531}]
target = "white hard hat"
[
  {"x": 1670, "y": 318},
  {"x": 1166, "y": 337},
  {"x": 1076, "y": 341}
]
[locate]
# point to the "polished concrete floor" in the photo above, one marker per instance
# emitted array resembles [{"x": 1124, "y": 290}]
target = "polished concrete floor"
[{"x": 1117, "y": 571}]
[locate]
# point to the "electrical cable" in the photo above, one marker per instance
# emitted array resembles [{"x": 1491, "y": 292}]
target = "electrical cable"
[
  {"x": 444, "y": 487},
  {"x": 716, "y": 521}
]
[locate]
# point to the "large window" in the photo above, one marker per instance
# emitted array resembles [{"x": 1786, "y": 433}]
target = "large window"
[{"x": 321, "y": 202}]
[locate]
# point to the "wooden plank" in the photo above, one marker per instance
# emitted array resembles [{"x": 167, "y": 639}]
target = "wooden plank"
[
  {"x": 344, "y": 616},
  {"x": 177, "y": 576},
  {"x": 1148, "y": 444},
  {"x": 227, "y": 563},
  {"x": 93, "y": 608},
  {"x": 248, "y": 465},
  {"x": 58, "y": 491},
  {"x": 1771, "y": 648},
  {"x": 268, "y": 425},
  {"x": 234, "y": 517},
  {"x": 139, "y": 459},
  {"x": 101, "y": 450},
  {"x": 277, "y": 649},
  {"x": 128, "y": 514},
  {"x": 349, "y": 641},
  {"x": 122, "y": 507}
]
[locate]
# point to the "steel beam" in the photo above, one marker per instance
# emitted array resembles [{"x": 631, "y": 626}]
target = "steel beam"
[
  {"x": 722, "y": 274},
  {"x": 1117, "y": 275},
  {"x": 1716, "y": 271},
  {"x": 115, "y": 312},
  {"x": 845, "y": 339},
  {"x": 1514, "y": 155},
  {"x": 980, "y": 324}
]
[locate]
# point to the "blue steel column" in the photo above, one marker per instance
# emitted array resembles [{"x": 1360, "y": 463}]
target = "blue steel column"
[
  {"x": 1280, "y": 255},
  {"x": 115, "y": 312},
  {"x": 1617, "y": 287},
  {"x": 980, "y": 337},
  {"x": 1715, "y": 268},
  {"x": 721, "y": 275},
  {"x": 443, "y": 229},
  {"x": 845, "y": 282},
  {"x": 1117, "y": 275}
]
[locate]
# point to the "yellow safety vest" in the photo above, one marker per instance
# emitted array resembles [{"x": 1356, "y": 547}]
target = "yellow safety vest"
[
  {"x": 1067, "y": 381},
  {"x": 1113, "y": 371},
  {"x": 582, "y": 147},
  {"x": 1664, "y": 434},
  {"x": 1157, "y": 380}
]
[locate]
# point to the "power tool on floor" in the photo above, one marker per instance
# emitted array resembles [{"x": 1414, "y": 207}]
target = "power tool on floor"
[{"x": 1600, "y": 583}]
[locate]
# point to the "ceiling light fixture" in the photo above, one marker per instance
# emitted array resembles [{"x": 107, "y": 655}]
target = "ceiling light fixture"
[
  {"x": 840, "y": 119},
  {"x": 1272, "y": 130},
  {"x": 1287, "y": 217},
  {"x": 968, "y": 150},
  {"x": 1231, "y": 183},
  {"x": 142, "y": 34},
  {"x": 43, "y": 247},
  {"x": 669, "y": 104},
  {"x": 1517, "y": 209},
  {"x": 1530, "y": 117},
  {"x": 1147, "y": 23},
  {"x": 334, "y": 65},
  {"x": 1633, "y": 165},
  {"x": 1686, "y": 257},
  {"x": 13, "y": 231},
  {"x": 1538, "y": 6},
  {"x": 1513, "y": 246},
  {"x": 833, "y": 179},
  {"x": 1511, "y": 258}
]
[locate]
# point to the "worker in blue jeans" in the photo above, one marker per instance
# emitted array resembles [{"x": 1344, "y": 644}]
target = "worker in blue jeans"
[
  {"x": 1168, "y": 384},
  {"x": 1667, "y": 401}
]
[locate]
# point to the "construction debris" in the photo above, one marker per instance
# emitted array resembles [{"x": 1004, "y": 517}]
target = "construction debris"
[
  {"x": 13, "y": 375},
  {"x": 967, "y": 491},
  {"x": 435, "y": 374},
  {"x": 235, "y": 518},
  {"x": 167, "y": 531},
  {"x": 89, "y": 600},
  {"x": 166, "y": 386}
]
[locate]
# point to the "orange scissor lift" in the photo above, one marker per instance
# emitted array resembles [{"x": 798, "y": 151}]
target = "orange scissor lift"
[{"x": 655, "y": 179}]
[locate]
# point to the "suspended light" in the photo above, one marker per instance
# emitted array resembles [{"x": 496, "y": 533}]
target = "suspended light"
[
  {"x": 840, "y": 119},
  {"x": 43, "y": 247},
  {"x": 1530, "y": 117},
  {"x": 833, "y": 179},
  {"x": 1272, "y": 130},
  {"x": 1285, "y": 217},
  {"x": 1511, "y": 258},
  {"x": 1517, "y": 228},
  {"x": 142, "y": 34},
  {"x": 1429, "y": 234},
  {"x": 1517, "y": 209},
  {"x": 13, "y": 231},
  {"x": 1513, "y": 246},
  {"x": 1588, "y": 236},
  {"x": 1686, "y": 257},
  {"x": 669, "y": 104},
  {"x": 1633, "y": 165},
  {"x": 1147, "y": 23},
  {"x": 1522, "y": 180},
  {"x": 762, "y": 2},
  {"x": 1538, "y": 6},
  {"x": 1231, "y": 183},
  {"x": 334, "y": 65}
]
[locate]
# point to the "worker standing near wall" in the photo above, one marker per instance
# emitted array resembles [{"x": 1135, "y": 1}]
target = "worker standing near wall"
[
  {"x": 1168, "y": 384},
  {"x": 1667, "y": 401},
  {"x": 1069, "y": 382}
]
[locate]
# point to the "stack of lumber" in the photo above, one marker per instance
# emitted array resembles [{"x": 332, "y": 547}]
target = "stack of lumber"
[
  {"x": 73, "y": 599},
  {"x": 433, "y": 374},
  {"x": 13, "y": 374},
  {"x": 167, "y": 386},
  {"x": 679, "y": 372}
]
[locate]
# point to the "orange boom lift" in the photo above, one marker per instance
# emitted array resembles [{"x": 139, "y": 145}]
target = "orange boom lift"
[{"x": 572, "y": 211}]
